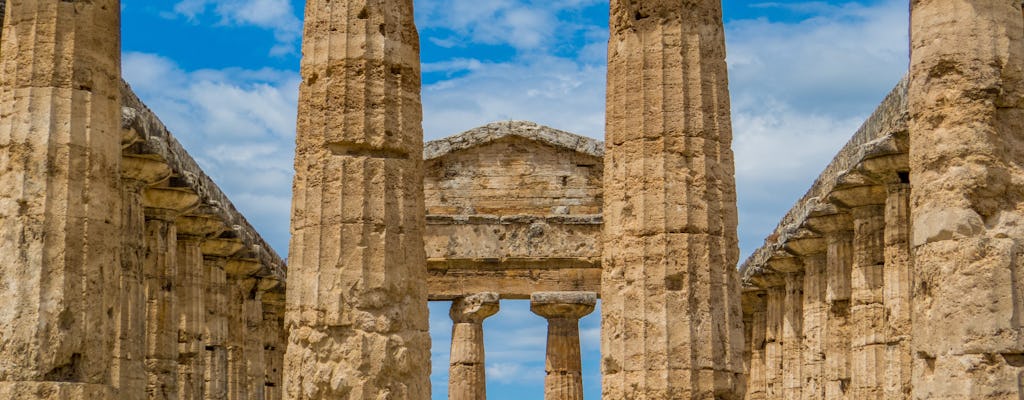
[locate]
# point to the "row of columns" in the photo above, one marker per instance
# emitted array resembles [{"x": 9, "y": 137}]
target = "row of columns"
[
  {"x": 563, "y": 365},
  {"x": 833, "y": 321},
  {"x": 195, "y": 322}
]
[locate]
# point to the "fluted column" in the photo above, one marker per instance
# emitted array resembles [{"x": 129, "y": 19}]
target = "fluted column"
[
  {"x": 966, "y": 119},
  {"x": 837, "y": 329},
  {"x": 255, "y": 355},
  {"x": 792, "y": 337},
  {"x": 216, "y": 328},
  {"x": 867, "y": 309},
  {"x": 815, "y": 309},
  {"x": 239, "y": 290},
  {"x": 466, "y": 371},
  {"x": 669, "y": 207},
  {"x": 563, "y": 362},
  {"x": 191, "y": 318},
  {"x": 776, "y": 311},
  {"x": 357, "y": 298},
  {"x": 897, "y": 292},
  {"x": 60, "y": 211},
  {"x": 756, "y": 388},
  {"x": 160, "y": 268}
]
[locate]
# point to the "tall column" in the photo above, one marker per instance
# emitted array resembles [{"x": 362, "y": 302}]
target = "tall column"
[
  {"x": 897, "y": 290},
  {"x": 669, "y": 207},
  {"x": 966, "y": 129},
  {"x": 867, "y": 309},
  {"x": 773, "y": 342},
  {"x": 216, "y": 328},
  {"x": 466, "y": 371},
  {"x": 60, "y": 211},
  {"x": 563, "y": 362},
  {"x": 129, "y": 366},
  {"x": 160, "y": 269},
  {"x": 837, "y": 329},
  {"x": 792, "y": 337},
  {"x": 255, "y": 356},
  {"x": 756, "y": 382},
  {"x": 274, "y": 339},
  {"x": 357, "y": 298},
  {"x": 191, "y": 319},
  {"x": 815, "y": 309},
  {"x": 238, "y": 369}
]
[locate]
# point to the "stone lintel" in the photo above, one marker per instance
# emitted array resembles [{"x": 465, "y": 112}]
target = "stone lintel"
[
  {"x": 511, "y": 278},
  {"x": 178, "y": 201},
  {"x": 200, "y": 226},
  {"x": 858, "y": 196},
  {"x": 145, "y": 169}
]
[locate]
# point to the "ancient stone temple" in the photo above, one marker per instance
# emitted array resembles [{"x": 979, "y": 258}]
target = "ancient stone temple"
[{"x": 126, "y": 273}]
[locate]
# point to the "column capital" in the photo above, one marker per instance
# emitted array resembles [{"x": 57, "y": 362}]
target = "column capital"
[
  {"x": 475, "y": 308},
  {"x": 573, "y": 305}
]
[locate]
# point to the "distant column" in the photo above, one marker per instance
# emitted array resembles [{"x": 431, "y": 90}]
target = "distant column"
[
  {"x": 466, "y": 371},
  {"x": 792, "y": 337},
  {"x": 216, "y": 334},
  {"x": 837, "y": 327},
  {"x": 60, "y": 214},
  {"x": 897, "y": 292},
  {"x": 867, "y": 309},
  {"x": 669, "y": 207},
  {"x": 191, "y": 318},
  {"x": 815, "y": 309},
  {"x": 563, "y": 364},
  {"x": 773, "y": 342},
  {"x": 357, "y": 295},
  {"x": 757, "y": 384}
]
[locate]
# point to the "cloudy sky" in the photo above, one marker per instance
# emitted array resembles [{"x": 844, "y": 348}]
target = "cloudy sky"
[{"x": 223, "y": 75}]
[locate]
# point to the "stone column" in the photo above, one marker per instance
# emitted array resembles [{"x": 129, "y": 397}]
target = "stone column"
[
  {"x": 816, "y": 310},
  {"x": 129, "y": 367},
  {"x": 357, "y": 298},
  {"x": 466, "y": 371},
  {"x": 563, "y": 362},
  {"x": 60, "y": 211},
  {"x": 669, "y": 207},
  {"x": 239, "y": 289},
  {"x": 965, "y": 100},
  {"x": 274, "y": 339},
  {"x": 867, "y": 310},
  {"x": 776, "y": 311},
  {"x": 216, "y": 326},
  {"x": 756, "y": 381},
  {"x": 792, "y": 337},
  {"x": 255, "y": 355},
  {"x": 837, "y": 329},
  {"x": 897, "y": 290},
  {"x": 191, "y": 319}
]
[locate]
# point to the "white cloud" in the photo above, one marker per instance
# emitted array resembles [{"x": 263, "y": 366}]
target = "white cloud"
[
  {"x": 275, "y": 15},
  {"x": 238, "y": 124}
]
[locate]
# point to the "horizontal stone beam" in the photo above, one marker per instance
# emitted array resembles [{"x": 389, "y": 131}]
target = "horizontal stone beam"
[{"x": 511, "y": 278}]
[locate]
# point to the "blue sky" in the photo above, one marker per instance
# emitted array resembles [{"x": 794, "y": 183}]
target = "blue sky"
[{"x": 223, "y": 75}]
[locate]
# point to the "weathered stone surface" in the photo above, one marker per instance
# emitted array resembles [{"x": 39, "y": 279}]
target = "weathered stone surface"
[
  {"x": 966, "y": 97},
  {"x": 357, "y": 305},
  {"x": 669, "y": 208},
  {"x": 60, "y": 209},
  {"x": 563, "y": 364},
  {"x": 467, "y": 367}
]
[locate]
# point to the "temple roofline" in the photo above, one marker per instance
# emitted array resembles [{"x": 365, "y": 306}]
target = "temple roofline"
[{"x": 524, "y": 129}]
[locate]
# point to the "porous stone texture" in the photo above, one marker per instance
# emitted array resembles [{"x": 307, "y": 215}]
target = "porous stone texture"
[
  {"x": 467, "y": 368},
  {"x": 61, "y": 203},
  {"x": 563, "y": 363},
  {"x": 514, "y": 208},
  {"x": 966, "y": 96},
  {"x": 357, "y": 305},
  {"x": 669, "y": 207}
]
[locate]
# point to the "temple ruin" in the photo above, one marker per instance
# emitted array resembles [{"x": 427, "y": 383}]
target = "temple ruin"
[{"x": 125, "y": 272}]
